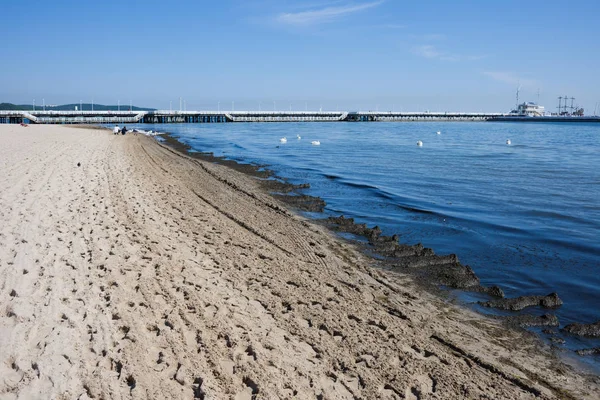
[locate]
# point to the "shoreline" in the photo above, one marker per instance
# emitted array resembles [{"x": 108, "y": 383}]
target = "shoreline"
[
  {"x": 429, "y": 272},
  {"x": 173, "y": 277},
  {"x": 436, "y": 274},
  {"x": 461, "y": 277},
  {"x": 273, "y": 185}
]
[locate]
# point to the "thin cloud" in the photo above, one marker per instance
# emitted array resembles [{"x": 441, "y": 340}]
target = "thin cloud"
[
  {"x": 509, "y": 77},
  {"x": 427, "y": 51},
  {"x": 475, "y": 58},
  {"x": 432, "y": 52},
  {"x": 429, "y": 37},
  {"x": 393, "y": 26},
  {"x": 323, "y": 15}
]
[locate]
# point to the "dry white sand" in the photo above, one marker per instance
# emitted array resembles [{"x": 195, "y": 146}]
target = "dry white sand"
[{"x": 145, "y": 274}]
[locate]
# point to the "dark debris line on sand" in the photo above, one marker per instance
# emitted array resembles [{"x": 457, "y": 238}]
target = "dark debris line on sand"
[
  {"x": 588, "y": 330},
  {"x": 527, "y": 320},
  {"x": 277, "y": 187},
  {"x": 446, "y": 271},
  {"x": 418, "y": 260},
  {"x": 519, "y": 303},
  {"x": 589, "y": 352}
]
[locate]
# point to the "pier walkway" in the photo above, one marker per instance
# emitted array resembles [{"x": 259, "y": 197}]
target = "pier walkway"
[
  {"x": 166, "y": 117},
  {"x": 196, "y": 117}
]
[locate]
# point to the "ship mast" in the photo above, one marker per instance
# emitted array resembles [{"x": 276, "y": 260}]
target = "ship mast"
[{"x": 559, "y": 104}]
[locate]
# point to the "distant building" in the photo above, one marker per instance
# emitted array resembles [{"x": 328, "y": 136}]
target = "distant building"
[{"x": 529, "y": 109}]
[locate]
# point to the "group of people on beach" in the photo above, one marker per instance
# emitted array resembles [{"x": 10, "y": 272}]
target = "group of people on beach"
[{"x": 116, "y": 130}]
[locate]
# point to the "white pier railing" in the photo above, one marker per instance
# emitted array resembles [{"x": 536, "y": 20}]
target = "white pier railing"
[{"x": 163, "y": 116}]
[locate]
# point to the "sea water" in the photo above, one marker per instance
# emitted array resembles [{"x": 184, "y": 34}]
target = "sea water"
[{"x": 524, "y": 216}]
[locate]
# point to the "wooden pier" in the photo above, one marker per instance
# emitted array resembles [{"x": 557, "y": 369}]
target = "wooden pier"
[
  {"x": 200, "y": 117},
  {"x": 197, "y": 117}
]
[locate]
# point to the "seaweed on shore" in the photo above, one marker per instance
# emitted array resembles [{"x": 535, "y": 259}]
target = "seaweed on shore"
[
  {"x": 248, "y": 169},
  {"x": 594, "y": 351},
  {"x": 416, "y": 259},
  {"x": 519, "y": 303},
  {"x": 528, "y": 320},
  {"x": 587, "y": 330},
  {"x": 302, "y": 202},
  {"x": 285, "y": 192}
]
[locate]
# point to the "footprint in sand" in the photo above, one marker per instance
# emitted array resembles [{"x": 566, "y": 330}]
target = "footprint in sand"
[{"x": 422, "y": 386}]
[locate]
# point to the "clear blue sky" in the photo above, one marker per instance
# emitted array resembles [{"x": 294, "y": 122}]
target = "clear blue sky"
[{"x": 353, "y": 55}]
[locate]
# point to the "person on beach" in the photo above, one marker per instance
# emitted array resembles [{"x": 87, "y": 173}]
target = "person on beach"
[
  {"x": 124, "y": 130},
  {"x": 116, "y": 130}
]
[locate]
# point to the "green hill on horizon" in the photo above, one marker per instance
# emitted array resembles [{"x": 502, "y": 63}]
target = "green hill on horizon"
[{"x": 70, "y": 107}]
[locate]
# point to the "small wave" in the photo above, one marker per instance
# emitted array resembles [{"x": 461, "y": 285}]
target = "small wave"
[
  {"x": 559, "y": 216},
  {"x": 485, "y": 156},
  {"x": 384, "y": 195},
  {"x": 472, "y": 223},
  {"x": 418, "y": 210},
  {"x": 359, "y": 185},
  {"x": 572, "y": 245},
  {"x": 371, "y": 189}
]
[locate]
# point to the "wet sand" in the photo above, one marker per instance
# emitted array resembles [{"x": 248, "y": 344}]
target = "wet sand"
[{"x": 144, "y": 273}]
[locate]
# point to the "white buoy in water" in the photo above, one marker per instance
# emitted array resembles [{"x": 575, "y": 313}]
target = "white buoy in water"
[
  {"x": 283, "y": 140},
  {"x": 508, "y": 141},
  {"x": 420, "y": 144},
  {"x": 298, "y": 136},
  {"x": 439, "y": 132},
  {"x": 315, "y": 143}
]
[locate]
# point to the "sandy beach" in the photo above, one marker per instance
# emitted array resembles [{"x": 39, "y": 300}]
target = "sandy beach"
[{"x": 129, "y": 270}]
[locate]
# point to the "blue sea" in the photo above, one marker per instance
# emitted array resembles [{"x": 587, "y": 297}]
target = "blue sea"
[{"x": 525, "y": 216}]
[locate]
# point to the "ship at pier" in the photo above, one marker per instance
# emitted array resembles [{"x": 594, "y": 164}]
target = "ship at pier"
[{"x": 533, "y": 112}]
